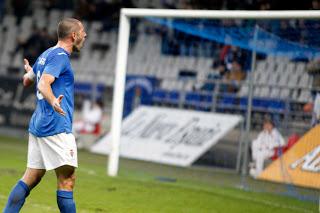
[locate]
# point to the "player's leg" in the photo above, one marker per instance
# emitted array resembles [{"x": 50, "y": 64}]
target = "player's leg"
[
  {"x": 22, "y": 189},
  {"x": 32, "y": 177},
  {"x": 66, "y": 180},
  {"x": 17, "y": 197},
  {"x": 34, "y": 172},
  {"x": 60, "y": 154}
]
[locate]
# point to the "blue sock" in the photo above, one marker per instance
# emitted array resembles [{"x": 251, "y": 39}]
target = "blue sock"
[
  {"x": 65, "y": 201},
  {"x": 17, "y": 197}
]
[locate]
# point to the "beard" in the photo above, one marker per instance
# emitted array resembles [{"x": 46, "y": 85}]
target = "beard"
[
  {"x": 75, "y": 49},
  {"x": 77, "y": 46}
]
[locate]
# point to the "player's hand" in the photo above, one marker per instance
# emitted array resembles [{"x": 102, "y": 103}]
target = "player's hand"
[
  {"x": 56, "y": 105},
  {"x": 27, "y": 67}
]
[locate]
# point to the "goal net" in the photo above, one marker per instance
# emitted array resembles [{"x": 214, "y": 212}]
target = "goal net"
[{"x": 261, "y": 66}]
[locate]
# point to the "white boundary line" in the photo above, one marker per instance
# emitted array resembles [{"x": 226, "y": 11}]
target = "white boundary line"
[{"x": 2, "y": 197}]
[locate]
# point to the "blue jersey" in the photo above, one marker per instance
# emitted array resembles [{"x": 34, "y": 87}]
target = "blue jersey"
[{"x": 45, "y": 120}]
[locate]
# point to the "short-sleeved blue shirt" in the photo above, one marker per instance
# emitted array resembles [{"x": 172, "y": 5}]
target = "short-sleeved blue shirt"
[{"x": 45, "y": 121}]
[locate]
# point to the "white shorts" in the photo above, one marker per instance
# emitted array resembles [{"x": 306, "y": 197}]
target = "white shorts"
[{"x": 52, "y": 152}]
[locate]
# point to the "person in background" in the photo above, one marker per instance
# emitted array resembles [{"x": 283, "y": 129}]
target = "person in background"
[
  {"x": 91, "y": 116},
  {"x": 262, "y": 148},
  {"x": 234, "y": 76}
]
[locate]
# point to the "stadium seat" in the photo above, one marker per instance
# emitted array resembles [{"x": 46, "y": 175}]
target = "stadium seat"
[
  {"x": 158, "y": 96},
  {"x": 265, "y": 91},
  {"x": 244, "y": 91},
  {"x": 205, "y": 102},
  {"x": 188, "y": 100},
  {"x": 292, "y": 140},
  {"x": 277, "y": 105},
  {"x": 265, "y": 103},
  {"x": 275, "y": 92},
  {"x": 243, "y": 104},
  {"x": 301, "y": 67},
  {"x": 278, "y": 151},
  {"x": 173, "y": 97},
  {"x": 228, "y": 101},
  {"x": 256, "y": 103},
  {"x": 196, "y": 99}
]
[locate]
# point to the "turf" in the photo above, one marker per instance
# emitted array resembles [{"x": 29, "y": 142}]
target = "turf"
[{"x": 136, "y": 190}]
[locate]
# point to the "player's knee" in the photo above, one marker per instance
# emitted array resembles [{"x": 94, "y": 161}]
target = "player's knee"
[
  {"x": 38, "y": 179},
  {"x": 66, "y": 178},
  {"x": 34, "y": 181},
  {"x": 68, "y": 183},
  {"x": 32, "y": 178},
  {"x": 72, "y": 180}
]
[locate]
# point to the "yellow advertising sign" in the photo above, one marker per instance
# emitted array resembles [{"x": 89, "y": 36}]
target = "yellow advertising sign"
[{"x": 300, "y": 164}]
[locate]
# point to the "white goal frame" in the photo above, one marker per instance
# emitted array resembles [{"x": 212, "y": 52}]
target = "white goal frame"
[{"x": 122, "y": 55}]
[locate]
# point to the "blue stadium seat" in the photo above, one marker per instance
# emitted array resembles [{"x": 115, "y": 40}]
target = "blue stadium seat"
[
  {"x": 228, "y": 100},
  {"x": 277, "y": 105},
  {"x": 243, "y": 104},
  {"x": 255, "y": 102},
  {"x": 203, "y": 102},
  {"x": 188, "y": 100},
  {"x": 173, "y": 97},
  {"x": 159, "y": 96},
  {"x": 265, "y": 103},
  {"x": 198, "y": 100}
]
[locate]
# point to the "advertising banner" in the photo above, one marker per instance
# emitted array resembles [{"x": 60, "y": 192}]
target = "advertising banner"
[
  {"x": 169, "y": 136},
  {"x": 300, "y": 164}
]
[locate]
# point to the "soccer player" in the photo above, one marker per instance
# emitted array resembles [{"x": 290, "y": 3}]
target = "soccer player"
[{"x": 52, "y": 145}]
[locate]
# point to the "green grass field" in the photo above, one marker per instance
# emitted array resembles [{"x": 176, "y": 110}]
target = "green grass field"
[{"x": 137, "y": 190}]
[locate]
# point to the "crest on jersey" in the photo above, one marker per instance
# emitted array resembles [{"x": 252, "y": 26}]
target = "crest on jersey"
[{"x": 71, "y": 152}]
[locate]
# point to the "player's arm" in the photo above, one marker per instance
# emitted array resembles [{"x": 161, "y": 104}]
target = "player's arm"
[
  {"x": 29, "y": 78},
  {"x": 44, "y": 86}
]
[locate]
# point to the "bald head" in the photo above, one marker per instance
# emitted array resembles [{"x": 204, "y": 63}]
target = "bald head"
[{"x": 66, "y": 26}]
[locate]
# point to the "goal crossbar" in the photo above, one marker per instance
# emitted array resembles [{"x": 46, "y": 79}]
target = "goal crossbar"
[{"x": 222, "y": 14}]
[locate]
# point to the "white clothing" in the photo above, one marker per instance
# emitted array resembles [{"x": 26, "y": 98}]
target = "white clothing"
[
  {"x": 263, "y": 147},
  {"x": 91, "y": 116},
  {"x": 52, "y": 152}
]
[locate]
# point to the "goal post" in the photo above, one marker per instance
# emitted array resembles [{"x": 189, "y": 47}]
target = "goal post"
[
  {"x": 122, "y": 55},
  {"x": 118, "y": 93}
]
